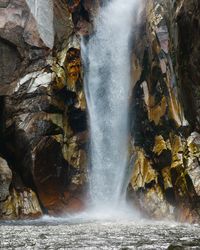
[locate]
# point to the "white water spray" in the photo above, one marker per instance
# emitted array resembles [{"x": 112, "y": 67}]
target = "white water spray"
[{"x": 106, "y": 57}]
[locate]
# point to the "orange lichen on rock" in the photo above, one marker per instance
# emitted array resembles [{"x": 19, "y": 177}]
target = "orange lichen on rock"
[{"x": 73, "y": 68}]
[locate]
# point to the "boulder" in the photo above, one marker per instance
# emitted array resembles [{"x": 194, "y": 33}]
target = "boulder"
[
  {"x": 22, "y": 204},
  {"x": 5, "y": 179}
]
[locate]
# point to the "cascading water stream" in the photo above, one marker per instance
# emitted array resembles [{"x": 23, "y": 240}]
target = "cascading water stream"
[{"x": 106, "y": 56}]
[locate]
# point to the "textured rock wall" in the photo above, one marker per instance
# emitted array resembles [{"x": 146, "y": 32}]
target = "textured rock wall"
[
  {"x": 43, "y": 123},
  {"x": 43, "y": 111},
  {"x": 165, "y": 112}
]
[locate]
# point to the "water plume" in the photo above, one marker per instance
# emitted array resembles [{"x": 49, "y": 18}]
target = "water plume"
[{"x": 106, "y": 56}]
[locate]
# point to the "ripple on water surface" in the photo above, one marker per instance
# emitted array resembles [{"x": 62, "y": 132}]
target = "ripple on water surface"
[{"x": 51, "y": 233}]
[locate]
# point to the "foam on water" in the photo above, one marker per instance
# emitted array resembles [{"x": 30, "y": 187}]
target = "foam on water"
[{"x": 141, "y": 235}]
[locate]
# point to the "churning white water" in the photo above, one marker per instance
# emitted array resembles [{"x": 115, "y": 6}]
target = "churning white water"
[{"x": 106, "y": 56}]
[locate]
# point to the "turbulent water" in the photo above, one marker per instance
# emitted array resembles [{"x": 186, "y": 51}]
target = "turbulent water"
[
  {"x": 99, "y": 235},
  {"x": 107, "y": 86}
]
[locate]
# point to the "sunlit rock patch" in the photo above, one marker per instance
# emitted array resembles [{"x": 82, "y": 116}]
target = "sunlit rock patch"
[
  {"x": 5, "y": 179},
  {"x": 159, "y": 127},
  {"x": 16, "y": 201},
  {"x": 21, "y": 204}
]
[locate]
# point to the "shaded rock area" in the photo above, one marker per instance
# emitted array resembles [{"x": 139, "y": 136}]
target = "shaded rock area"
[
  {"x": 43, "y": 118},
  {"x": 164, "y": 111},
  {"x": 16, "y": 201},
  {"x": 43, "y": 131}
]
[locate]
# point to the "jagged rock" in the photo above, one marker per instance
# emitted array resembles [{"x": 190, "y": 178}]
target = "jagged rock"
[
  {"x": 50, "y": 172},
  {"x": 186, "y": 42},
  {"x": 83, "y": 13},
  {"x": 155, "y": 111},
  {"x": 73, "y": 64},
  {"x": 162, "y": 151},
  {"x": 5, "y": 179},
  {"x": 25, "y": 34},
  {"x": 148, "y": 192},
  {"x": 167, "y": 180},
  {"x": 193, "y": 168},
  {"x": 20, "y": 205},
  {"x": 159, "y": 127},
  {"x": 19, "y": 202},
  {"x": 10, "y": 61},
  {"x": 44, "y": 88},
  {"x": 143, "y": 173},
  {"x": 155, "y": 205},
  {"x": 43, "y": 14}
]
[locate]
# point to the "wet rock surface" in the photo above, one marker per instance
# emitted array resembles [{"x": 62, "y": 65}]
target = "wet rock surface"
[
  {"x": 43, "y": 111},
  {"x": 21, "y": 204},
  {"x": 16, "y": 201},
  {"x": 165, "y": 171},
  {"x": 43, "y": 118}
]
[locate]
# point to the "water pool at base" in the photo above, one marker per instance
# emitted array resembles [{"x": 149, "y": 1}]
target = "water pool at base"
[{"x": 51, "y": 233}]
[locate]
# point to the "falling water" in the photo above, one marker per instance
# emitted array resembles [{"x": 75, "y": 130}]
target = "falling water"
[{"x": 106, "y": 56}]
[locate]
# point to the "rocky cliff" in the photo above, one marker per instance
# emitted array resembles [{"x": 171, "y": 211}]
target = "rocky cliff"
[
  {"x": 43, "y": 119},
  {"x": 164, "y": 111}
]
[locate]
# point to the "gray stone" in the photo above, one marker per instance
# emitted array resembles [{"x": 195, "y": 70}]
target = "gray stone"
[
  {"x": 9, "y": 61},
  {"x": 5, "y": 179},
  {"x": 43, "y": 14}
]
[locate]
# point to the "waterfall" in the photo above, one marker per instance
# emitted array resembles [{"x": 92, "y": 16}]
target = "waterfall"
[{"x": 106, "y": 56}]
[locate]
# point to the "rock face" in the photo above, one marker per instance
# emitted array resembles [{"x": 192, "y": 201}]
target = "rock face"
[
  {"x": 165, "y": 112},
  {"x": 43, "y": 112},
  {"x": 20, "y": 205},
  {"x": 16, "y": 201},
  {"x": 43, "y": 120},
  {"x": 5, "y": 179}
]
